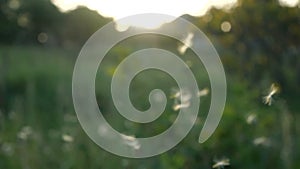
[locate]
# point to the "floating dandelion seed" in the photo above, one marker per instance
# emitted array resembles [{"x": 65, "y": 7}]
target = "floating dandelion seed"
[
  {"x": 187, "y": 42},
  {"x": 269, "y": 98},
  {"x": 131, "y": 141},
  {"x": 251, "y": 119},
  {"x": 264, "y": 141},
  {"x": 181, "y": 95},
  {"x": 221, "y": 163},
  {"x": 181, "y": 99},
  {"x": 24, "y": 133},
  {"x": 176, "y": 107},
  {"x": 185, "y": 96},
  {"x": 67, "y": 138},
  {"x": 203, "y": 92},
  {"x": 175, "y": 93}
]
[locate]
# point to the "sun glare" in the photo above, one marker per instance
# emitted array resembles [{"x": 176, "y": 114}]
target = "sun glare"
[
  {"x": 145, "y": 21},
  {"x": 120, "y": 8}
]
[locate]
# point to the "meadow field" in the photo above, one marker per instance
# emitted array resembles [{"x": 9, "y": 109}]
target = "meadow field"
[
  {"x": 258, "y": 43},
  {"x": 39, "y": 128}
]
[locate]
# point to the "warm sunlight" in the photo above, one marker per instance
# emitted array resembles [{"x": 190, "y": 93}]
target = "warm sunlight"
[{"x": 119, "y": 9}]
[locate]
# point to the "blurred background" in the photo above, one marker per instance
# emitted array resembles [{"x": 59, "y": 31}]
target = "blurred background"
[{"x": 258, "y": 43}]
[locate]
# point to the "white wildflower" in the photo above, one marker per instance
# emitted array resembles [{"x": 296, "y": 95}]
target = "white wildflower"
[{"x": 24, "y": 133}]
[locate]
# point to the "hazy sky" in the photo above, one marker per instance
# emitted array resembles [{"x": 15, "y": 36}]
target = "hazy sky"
[{"x": 121, "y": 8}]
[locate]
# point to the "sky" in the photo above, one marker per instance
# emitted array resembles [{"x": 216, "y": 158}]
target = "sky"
[{"x": 121, "y": 8}]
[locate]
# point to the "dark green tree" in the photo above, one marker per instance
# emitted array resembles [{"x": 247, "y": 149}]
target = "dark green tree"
[{"x": 263, "y": 42}]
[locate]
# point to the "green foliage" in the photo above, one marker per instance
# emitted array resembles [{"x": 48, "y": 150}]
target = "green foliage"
[
  {"x": 23, "y": 24},
  {"x": 36, "y": 108},
  {"x": 262, "y": 43},
  {"x": 80, "y": 24}
]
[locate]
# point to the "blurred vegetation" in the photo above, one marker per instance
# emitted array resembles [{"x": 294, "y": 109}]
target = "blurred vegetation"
[{"x": 258, "y": 43}]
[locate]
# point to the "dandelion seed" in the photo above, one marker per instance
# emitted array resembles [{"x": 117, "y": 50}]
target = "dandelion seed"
[
  {"x": 221, "y": 163},
  {"x": 187, "y": 42},
  {"x": 203, "y": 92},
  {"x": 185, "y": 96},
  {"x": 181, "y": 99},
  {"x": 24, "y": 133},
  {"x": 176, "y": 107},
  {"x": 176, "y": 94},
  {"x": 182, "y": 95},
  {"x": 251, "y": 118},
  {"x": 269, "y": 98},
  {"x": 67, "y": 138},
  {"x": 264, "y": 141},
  {"x": 131, "y": 141}
]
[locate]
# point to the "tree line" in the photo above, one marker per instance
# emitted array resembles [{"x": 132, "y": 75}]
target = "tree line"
[
  {"x": 258, "y": 40},
  {"x": 35, "y": 21}
]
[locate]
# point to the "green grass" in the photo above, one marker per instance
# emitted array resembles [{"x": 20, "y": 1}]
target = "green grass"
[{"x": 35, "y": 91}]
